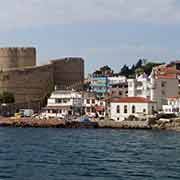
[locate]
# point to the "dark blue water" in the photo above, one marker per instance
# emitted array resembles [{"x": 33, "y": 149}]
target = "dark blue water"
[{"x": 82, "y": 154}]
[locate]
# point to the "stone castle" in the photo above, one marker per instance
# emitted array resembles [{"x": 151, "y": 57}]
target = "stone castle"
[{"x": 20, "y": 75}]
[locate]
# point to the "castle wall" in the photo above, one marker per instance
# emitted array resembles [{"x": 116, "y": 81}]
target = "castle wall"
[
  {"x": 28, "y": 84},
  {"x": 17, "y": 57},
  {"x": 20, "y": 76},
  {"x": 68, "y": 71}
]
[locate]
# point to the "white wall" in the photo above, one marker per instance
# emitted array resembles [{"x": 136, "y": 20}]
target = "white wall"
[{"x": 139, "y": 107}]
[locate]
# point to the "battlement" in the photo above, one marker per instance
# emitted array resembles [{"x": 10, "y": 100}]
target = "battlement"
[{"x": 14, "y": 57}]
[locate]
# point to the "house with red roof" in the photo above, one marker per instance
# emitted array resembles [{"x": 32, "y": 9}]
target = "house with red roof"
[{"x": 122, "y": 108}]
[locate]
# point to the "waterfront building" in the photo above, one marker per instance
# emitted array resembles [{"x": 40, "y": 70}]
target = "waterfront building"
[
  {"x": 122, "y": 108},
  {"x": 118, "y": 86},
  {"x": 173, "y": 106},
  {"x": 93, "y": 107},
  {"x": 63, "y": 103},
  {"x": 100, "y": 86},
  {"x": 89, "y": 104},
  {"x": 171, "y": 70},
  {"x": 140, "y": 86},
  {"x": 155, "y": 88},
  {"x": 109, "y": 86}
]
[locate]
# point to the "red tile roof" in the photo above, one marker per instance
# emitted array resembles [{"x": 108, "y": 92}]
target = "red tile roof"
[
  {"x": 131, "y": 100},
  {"x": 173, "y": 97},
  {"x": 167, "y": 73},
  {"x": 167, "y": 76}
]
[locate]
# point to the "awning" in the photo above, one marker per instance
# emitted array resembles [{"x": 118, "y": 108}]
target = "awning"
[{"x": 99, "y": 108}]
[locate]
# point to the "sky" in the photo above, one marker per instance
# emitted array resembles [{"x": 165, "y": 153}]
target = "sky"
[{"x": 103, "y": 32}]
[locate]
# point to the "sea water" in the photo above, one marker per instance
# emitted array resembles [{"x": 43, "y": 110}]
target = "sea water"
[{"x": 88, "y": 154}]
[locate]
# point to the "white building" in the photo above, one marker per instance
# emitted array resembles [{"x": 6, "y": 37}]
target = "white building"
[
  {"x": 93, "y": 107},
  {"x": 116, "y": 80},
  {"x": 63, "y": 103},
  {"x": 173, "y": 106},
  {"x": 89, "y": 104},
  {"x": 139, "y": 87},
  {"x": 153, "y": 88},
  {"x": 122, "y": 108}
]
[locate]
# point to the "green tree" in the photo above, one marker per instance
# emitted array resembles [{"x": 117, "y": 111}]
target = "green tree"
[
  {"x": 105, "y": 70},
  {"x": 125, "y": 71},
  {"x": 139, "y": 64},
  {"x": 7, "y": 97},
  {"x": 139, "y": 71}
]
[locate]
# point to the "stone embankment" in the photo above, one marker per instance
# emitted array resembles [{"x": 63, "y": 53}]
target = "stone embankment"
[
  {"x": 51, "y": 123},
  {"x": 55, "y": 123},
  {"x": 124, "y": 124},
  {"x": 172, "y": 124}
]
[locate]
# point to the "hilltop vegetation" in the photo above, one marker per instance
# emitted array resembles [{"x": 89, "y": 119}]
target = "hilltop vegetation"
[{"x": 142, "y": 66}]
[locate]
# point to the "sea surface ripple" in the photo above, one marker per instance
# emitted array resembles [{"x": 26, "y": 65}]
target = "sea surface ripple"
[{"x": 88, "y": 154}]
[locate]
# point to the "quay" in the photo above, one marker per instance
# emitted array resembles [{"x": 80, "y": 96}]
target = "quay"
[{"x": 56, "y": 123}]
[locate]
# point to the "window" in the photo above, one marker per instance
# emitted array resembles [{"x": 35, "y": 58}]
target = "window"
[
  {"x": 88, "y": 109},
  {"x": 163, "y": 84},
  {"x": 58, "y": 100},
  {"x": 93, "y": 109},
  {"x": 54, "y": 111},
  {"x": 144, "y": 110},
  {"x": 163, "y": 92},
  {"x": 65, "y": 100},
  {"x": 88, "y": 101},
  {"x": 120, "y": 93},
  {"x": 125, "y": 109},
  {"x": 93, "y": 101},
  {"x": 133, "y": 109},
  {"x": 118, "y": 109},
  {"x": 152, "y": 109}
]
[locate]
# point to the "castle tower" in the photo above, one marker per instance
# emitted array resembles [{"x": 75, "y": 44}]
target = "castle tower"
[{"x": 17, "y": 57}]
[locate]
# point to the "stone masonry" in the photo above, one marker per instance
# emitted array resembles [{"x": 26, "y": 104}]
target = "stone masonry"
[{"x": 28, "y": 82}]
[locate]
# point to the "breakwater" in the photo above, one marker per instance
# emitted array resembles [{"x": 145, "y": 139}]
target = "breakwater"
[
  {"x": 55, "y": 123},
  {"x": 44, "y": 123}
]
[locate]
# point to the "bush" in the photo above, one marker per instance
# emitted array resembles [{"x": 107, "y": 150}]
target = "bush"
[
  {"x": 166, "y": 116},
  {"x": 132, "y": 118},
  {"x": 7, "y": 97}
]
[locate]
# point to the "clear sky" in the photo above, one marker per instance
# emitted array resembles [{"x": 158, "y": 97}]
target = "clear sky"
[{"x": 112, "y": 32}]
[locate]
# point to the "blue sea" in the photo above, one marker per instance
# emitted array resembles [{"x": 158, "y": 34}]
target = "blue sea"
[{"x": 89, "y": 154}]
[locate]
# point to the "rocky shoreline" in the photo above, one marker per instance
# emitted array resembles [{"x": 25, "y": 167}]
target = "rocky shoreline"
[{"x": 54, "y": 123}]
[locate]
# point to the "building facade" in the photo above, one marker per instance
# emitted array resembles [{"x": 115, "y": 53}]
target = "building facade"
[
  {"x": 173, "y": 106},
  {"x": 100, "y": 86},
  {"x": 93, "y": 107},
  {"x": 63, "y": 103},
  {"x": 109, "y": 86},
  {"x": 154, "y": 88},
  {"x": 122, "y": 108}
]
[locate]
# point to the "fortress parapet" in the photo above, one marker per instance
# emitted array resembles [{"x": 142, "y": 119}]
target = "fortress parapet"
[{"x": 17, "y": 57}]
